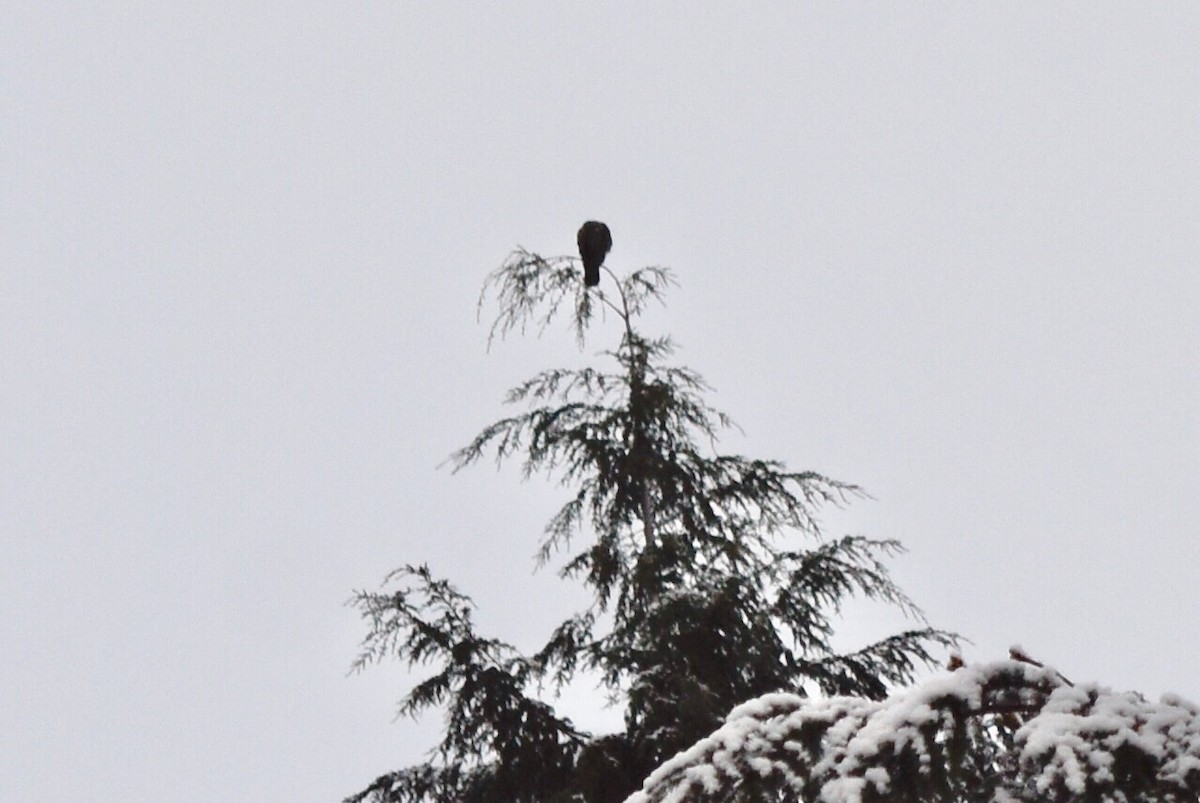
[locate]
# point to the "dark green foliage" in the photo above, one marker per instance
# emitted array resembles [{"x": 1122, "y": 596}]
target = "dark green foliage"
[
  {"x": 711, "y": 583},
  {"x": 483, "y": 683}
]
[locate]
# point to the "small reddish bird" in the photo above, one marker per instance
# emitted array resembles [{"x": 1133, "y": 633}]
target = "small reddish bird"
[{"x": 594, "y": 242}]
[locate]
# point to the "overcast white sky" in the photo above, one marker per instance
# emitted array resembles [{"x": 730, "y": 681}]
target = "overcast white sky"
[{"x": 948, "y": 252}]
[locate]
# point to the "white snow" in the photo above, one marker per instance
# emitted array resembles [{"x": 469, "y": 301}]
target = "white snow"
[{"x": 1068, "y": 737}]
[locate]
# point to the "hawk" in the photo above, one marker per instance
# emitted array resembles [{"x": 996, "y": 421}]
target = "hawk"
[{"x": 594, "y": 242}]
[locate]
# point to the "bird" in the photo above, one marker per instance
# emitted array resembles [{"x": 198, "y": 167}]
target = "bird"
[{"x": 595, "y": 241}]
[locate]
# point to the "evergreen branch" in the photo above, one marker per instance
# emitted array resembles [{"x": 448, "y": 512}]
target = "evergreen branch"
[
  {"x": 399, "y": 624},
  {"x": 833, "y": 571},
  {"x": 530, "y": 288},
  {"x": 872, "y": 671},
  {"x": 571, "y": 643}
]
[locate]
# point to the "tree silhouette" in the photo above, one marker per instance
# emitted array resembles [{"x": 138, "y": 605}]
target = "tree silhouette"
[{"x": 711, "y": 582}]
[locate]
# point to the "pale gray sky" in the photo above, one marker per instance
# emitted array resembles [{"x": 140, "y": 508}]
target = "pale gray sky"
[{"x": 948, "y": 252}]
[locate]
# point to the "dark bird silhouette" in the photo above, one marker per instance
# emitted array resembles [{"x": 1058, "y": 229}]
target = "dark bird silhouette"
[{"x": 594, "y": 242}]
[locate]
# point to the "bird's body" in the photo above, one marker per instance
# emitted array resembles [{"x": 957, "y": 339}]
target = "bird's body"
[{"x": 595, "y": 241}]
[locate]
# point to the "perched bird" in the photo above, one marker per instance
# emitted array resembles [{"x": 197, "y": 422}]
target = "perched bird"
[{"x": 594, "y": 242}]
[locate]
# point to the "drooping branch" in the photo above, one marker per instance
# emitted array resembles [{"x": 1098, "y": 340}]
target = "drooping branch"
[
  {"x": 497, "y": 735},
  {"x": 530, "y": 289}
]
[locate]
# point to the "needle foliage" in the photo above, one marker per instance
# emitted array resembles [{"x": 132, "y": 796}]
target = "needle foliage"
[{"x": 710, "y": 580}]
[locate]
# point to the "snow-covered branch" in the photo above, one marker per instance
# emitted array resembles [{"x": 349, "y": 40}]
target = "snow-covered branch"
[{"x": 1004, "y": 731}]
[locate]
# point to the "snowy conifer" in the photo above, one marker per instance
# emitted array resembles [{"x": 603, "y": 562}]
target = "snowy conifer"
[{"x": 1006, "y": 732}]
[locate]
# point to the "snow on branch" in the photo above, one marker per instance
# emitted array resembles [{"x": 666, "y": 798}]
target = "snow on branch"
[{"x": 1005, "y": 731}]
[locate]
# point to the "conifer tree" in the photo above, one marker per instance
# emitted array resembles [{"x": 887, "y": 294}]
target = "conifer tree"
[
  {"x": 1010, "y": 731},
  {"x": 710, "y": 579}
]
